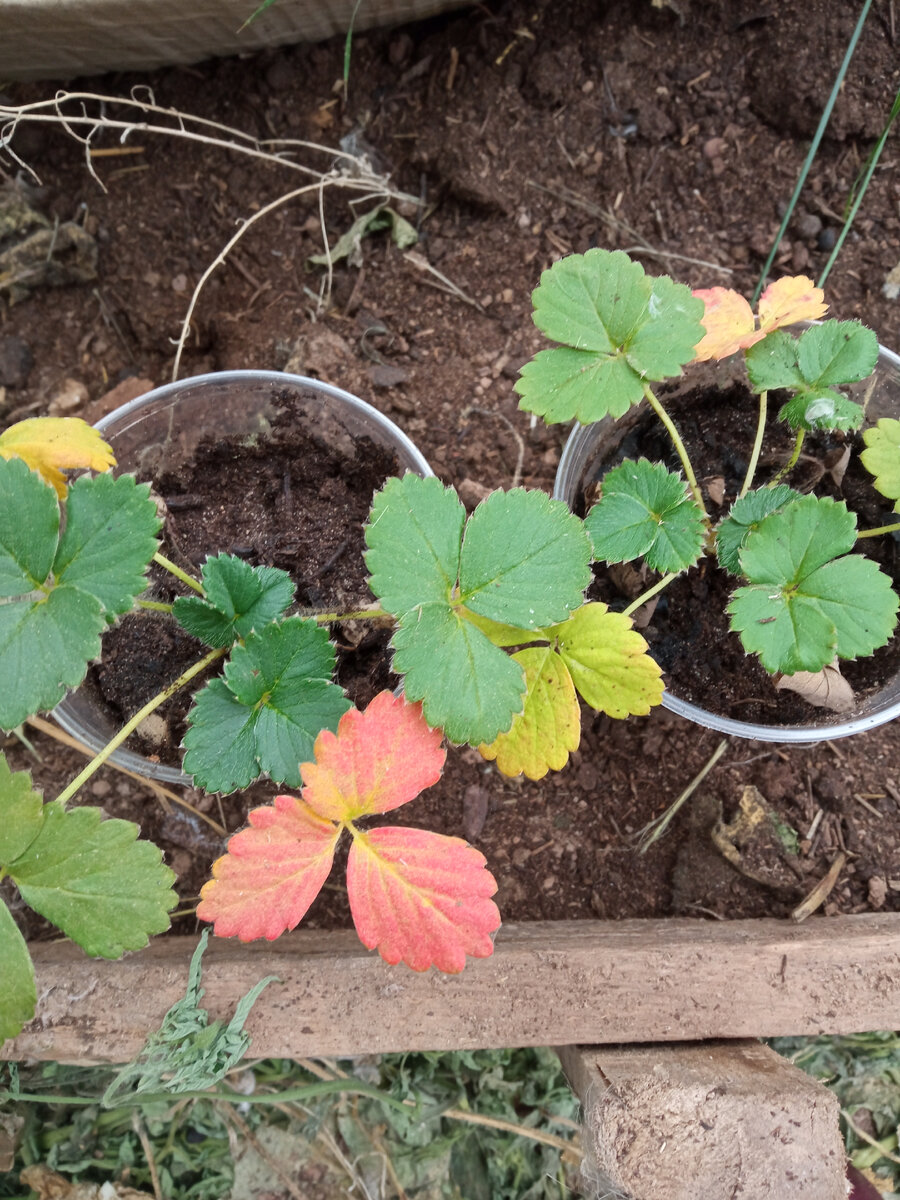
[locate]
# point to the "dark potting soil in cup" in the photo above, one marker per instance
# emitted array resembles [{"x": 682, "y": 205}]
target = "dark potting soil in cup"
[
  {"x": 291, "y": 501},
  {"x": 689, "y": 635}
]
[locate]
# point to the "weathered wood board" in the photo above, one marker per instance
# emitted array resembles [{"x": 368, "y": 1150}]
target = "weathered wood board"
[
  {"x": 715, "y": 1120},
  {"x": 547, "y": 983}
]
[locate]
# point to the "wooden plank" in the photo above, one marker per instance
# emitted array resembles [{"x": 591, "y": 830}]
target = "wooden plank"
[
  {"x": 715, "y": 1119},
  {"x": 547, "y": 983}
]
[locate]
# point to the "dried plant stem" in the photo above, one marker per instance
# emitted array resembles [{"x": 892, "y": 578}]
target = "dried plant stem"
[
  {"x": 652, "y": 832},
  {"x": 99, "y": 759},
  {"x": 163, "y": 794},
  {"x": 138, "y": 1126},
  {"x": 757, "y": 445},
  {"x": 680, "y": 448}
]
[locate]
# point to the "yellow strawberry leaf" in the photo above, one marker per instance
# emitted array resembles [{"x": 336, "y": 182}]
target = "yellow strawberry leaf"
[
  {"x": 789, "y": 300},
  {"x": 548, "y": 728},
  {"x": 609, "y": 662},
  {"x": 728, "y": 321},
  {"x": 50, "y": 445}
]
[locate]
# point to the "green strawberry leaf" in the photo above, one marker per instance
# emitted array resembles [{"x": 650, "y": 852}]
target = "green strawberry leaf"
[
  {"x": 45, "y": 646},
  {"x": 525, "y": 560},
  {"x": 837, "y": 353},
  {"x": 275, "y": 699},
  {"x": 468, "y": 687},
  {"x": 645, "y": 510},
  {"x": 616, "y": 326},
  {"x": 95, "y": 881},
  {"x": 821, "y": 408},
  {"x": 18, "y": 996},
  {"x": 29, "y": 528},
  {"x": 239, "y": 598},
  {"x": 805, "y": 603},
  {"x": 549, "y": 727},
  {"x": 881, "y": 457},
  {"x": 414, "y": 534},
  {"x": 521, "y": 560},
  {"x": 62, "y": 592},
  {"x": 608, "y": 662},
  {"x": 745, "y": 516},
  {"x": 109, "y": 539},
  {"x": 822, "y": 358},
  {"x": 773, "y": 362},
  {"x": 577, "y": 385},
  {"x": 21, "y": 812}
]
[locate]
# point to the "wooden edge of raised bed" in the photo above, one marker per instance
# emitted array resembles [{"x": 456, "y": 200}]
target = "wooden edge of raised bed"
[{"x": 547, "y": 983}]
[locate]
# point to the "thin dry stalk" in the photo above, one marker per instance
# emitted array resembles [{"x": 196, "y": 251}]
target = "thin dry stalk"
[
  {"x": 138, "y": 1127},
  {"x": 231, "y": 1117},
  {"x": 163, "y": 794},
  {"x": 821, "y": 891}
]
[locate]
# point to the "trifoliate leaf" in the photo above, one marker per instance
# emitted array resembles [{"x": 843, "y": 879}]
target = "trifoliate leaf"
[
  {"x": 45, "y": 646},
  {"x": 239, "y": 598},
  {"x": 95, "y": 881},
  {"x": 522, "y": 560},
  {"x": 18, "y": 995},
  {"x": 617, "y": 328},
  {"x": 821, "y": 408},
  {"x": 881, "y": 457},
  {"x": 29, "y": 529},
  {"x": 414, "y": 534},
  {"x": 525, "y": 559},
  {"x": 265, "y": 716},
  {"x": 728, "y": 322},
  {"x": 609, "y": 662},
  {"x": 549, "y": 727},
  {"x": 109, "y": 539},
  {"x": 745, "y": 516},
  {"x": 378, "y": 759},
  {"x": 272, "y": 872},
  {"x": 468, "y": 687},
  {"x": 645, "y": 510},
  {"x": 21, "y": 812},
  {"x": 807, "y": 604},
  {"x": 821, "y": 359},
  {"x": 421, "y": 898},
  {"x": 51, "y": 444},
  {"x": 788, "y": 300}
]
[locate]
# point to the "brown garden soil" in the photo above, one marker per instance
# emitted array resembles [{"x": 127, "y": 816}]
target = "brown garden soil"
[{"x": 528, "y": 130}]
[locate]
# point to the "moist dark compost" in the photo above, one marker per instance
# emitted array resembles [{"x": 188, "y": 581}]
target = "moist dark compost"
[
  {"x": 291, "y": 501},
  {"x": 688, "y": 630}
]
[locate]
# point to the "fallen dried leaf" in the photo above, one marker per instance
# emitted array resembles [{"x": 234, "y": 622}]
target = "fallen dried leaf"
[{"x": 826, "y": 688}]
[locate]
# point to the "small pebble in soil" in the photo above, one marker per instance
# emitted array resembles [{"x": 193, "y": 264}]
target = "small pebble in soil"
[
  {"x": 827, "y": 239},
  {"x": 16, "y": 361}
]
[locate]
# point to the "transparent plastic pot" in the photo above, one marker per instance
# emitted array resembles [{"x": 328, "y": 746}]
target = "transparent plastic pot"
[
  {"x": 170, "y": 422},
  {"x": 591, "y": 450}
]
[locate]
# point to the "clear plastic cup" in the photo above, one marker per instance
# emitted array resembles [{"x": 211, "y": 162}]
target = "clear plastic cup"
[
  {"x": 172, "y": 421},
  {"x": 593, "y": 449}
]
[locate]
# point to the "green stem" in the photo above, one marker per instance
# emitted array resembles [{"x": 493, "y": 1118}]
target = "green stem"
[
  {"x": 895, "y": 528},
  {"x": 792, "y": 461},
  {"x": 757, "y": 445},
  {"x": 649, "y": 594},
  {"x": 131, "y": 725},
  {"x": 292, "y": 1095},
  {"x": 679, "y": 446},
  {"x": 155, "y": 606},
  {"x": 178, "y": 573}
]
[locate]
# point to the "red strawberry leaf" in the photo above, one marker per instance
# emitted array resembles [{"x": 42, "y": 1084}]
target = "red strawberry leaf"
[
  {"x": 272, "y": 872},
  {"x": 421, "y": 898},
  {"x": 377, "y": 760}
]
